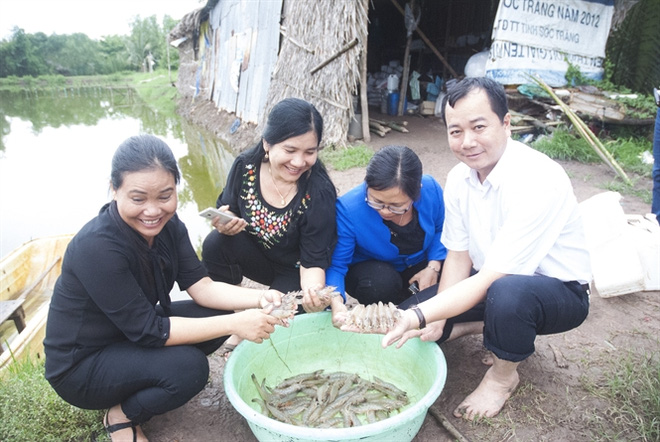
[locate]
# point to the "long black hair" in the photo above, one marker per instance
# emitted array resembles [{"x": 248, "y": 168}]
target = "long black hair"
[
  {"x": 292, "y": 117},
  {"x": 289, "y": 118}
]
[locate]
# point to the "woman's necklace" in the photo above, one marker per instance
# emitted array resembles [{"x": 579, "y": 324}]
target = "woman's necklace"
[{"x": 277, "y": 188}]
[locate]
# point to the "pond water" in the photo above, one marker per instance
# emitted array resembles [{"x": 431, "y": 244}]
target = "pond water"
[{"x": 55, "y": 154}]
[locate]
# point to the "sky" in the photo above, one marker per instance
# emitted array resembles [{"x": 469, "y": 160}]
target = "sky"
[{"x": 95, "y": 18}]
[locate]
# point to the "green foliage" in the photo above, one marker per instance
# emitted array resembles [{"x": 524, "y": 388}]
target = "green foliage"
[
  {"x": 156, "y": 89},
  {"x": 633, "y": 50},
  {"x": 642, "y": 107},
  {"x": 76, "y": 54},
  {"x": 342, "y": 159},
  {"x": 627, "y": 151},
  {"x": 30, "y": 409},
  {"x": 563, "y": 145},
  {"x": 574, "y": 75},
  {"x": 631, "y": 385}
]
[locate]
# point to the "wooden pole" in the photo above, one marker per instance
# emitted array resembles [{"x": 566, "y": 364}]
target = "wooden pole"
[
  {"x": 406, "y": 67},
  {"x": 364, "y": 99},
  {"x": 442, "y": 420},
  {"x": 428, "y": 42}
]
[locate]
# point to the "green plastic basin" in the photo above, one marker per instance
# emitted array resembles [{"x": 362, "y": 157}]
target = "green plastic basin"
[{"x": 311, "y": 343}]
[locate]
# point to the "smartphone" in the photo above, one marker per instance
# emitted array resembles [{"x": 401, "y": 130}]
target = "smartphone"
[{"x": 212, "y": 212}]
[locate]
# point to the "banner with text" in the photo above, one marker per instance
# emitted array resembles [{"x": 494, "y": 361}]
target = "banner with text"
[{"x": 540, "y": 37}]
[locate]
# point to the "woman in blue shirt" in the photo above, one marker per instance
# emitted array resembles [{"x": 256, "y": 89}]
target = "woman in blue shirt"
[{"x": 388, "y": 231}]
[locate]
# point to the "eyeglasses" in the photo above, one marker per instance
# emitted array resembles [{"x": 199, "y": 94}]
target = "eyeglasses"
[{"x": 397, "y": 210}]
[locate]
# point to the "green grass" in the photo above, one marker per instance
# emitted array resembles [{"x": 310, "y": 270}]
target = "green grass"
[
  {"x": 30, "y": 410},
  {"x": 157, "y": 90},
  {"x": 631, "y": 387},
  {"x": 343, "y": 159},
  {"x": 627, "y": 149},
  {"x": 47, "y": 82},
  {"x": 563, "y": 145}
]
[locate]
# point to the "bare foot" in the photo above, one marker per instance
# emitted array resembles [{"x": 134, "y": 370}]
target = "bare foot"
[
  {"x": 466, "y": 328},
  {"x": 115, "y": 419},
  {"x": 489, "y": 397}
]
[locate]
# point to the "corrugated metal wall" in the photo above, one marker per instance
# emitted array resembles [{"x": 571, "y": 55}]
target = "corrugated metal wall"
[{"x": 240, "y": 50}]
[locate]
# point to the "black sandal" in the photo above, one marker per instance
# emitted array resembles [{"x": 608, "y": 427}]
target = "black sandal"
[{"x": 120, "y": 426}]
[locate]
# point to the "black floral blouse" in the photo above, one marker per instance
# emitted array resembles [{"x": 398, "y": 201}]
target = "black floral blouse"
[{"x": 303, "y": 232}]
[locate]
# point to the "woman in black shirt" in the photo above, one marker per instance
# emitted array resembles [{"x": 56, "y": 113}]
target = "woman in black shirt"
[
  {"x": 114, "y": 339},
  {"x": 285, "y": 202}
]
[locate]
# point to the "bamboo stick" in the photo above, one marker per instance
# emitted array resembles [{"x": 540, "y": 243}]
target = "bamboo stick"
[
  {"x": 585, "y": 132},
  {"x": 379, "y": 127},
  {"x": 334, "y": 56},
  {"x": 399, "y": 127}
]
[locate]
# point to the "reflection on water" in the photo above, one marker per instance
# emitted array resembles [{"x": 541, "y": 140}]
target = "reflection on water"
[{"x": 55, "y": 153}]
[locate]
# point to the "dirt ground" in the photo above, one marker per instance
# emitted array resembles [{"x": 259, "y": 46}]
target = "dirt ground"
[{"x": 553, "y": 401}]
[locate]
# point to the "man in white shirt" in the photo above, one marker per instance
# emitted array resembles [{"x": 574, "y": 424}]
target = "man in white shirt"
[{"x": 517, "y": 263}]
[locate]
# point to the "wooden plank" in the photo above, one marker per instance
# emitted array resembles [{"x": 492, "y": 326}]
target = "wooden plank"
[
  {"x": 13, "y": 310},
  {"x": 597, "y": 107},
  {"x": 29, "y": 341}
]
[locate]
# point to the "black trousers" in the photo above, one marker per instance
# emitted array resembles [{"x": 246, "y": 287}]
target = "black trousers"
[
  {"x": 517, "y": 309},
  {"x": 228, "y": 258},
  {"x": 373, "y": 281},
  {"x": 146, "y": 381}
]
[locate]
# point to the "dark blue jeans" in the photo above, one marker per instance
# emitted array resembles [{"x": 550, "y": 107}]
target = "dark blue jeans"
[
  {"x": 517, "y": 309},
  {"x": 146, "y": 381}
]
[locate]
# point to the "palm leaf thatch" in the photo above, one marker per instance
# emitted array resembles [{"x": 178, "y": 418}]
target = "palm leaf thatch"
[{"x": 312, "y": 33}]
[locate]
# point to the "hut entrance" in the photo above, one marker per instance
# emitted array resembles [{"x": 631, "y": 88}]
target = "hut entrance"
[{"x": 447, "y": 34}]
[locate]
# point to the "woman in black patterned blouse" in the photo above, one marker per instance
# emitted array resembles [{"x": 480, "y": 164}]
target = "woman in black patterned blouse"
[{"x": 285, "y": 203}]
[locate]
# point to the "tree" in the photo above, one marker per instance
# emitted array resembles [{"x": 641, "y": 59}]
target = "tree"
[
  {"x": 144, "y": 44},
  {"x": 634, "y": 48},
  {"x": 22, "y": 56},
  {"x": 113, "y": 54}
]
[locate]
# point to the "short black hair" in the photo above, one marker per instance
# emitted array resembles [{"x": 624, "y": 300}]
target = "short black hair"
[{"x": 459, "y": 89}]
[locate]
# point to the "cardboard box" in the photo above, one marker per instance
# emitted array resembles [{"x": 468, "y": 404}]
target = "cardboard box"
[{"x": 427, "y": 108}]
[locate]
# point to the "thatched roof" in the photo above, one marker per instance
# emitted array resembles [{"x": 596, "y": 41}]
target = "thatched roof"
[
  {"x": 189, "y": 24},
  {"x": 313, "y": 32}
]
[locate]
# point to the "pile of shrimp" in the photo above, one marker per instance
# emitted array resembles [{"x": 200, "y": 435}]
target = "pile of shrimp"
[
  {"x": 373, "y": 318},
  {"x": 290, "y": 301},
  {"x": 333, "y": 400}
]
